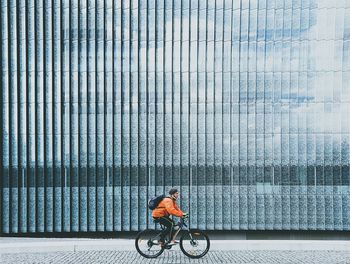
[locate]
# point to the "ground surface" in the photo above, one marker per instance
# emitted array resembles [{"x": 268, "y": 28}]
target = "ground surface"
[{"x": 176, "y": 256}]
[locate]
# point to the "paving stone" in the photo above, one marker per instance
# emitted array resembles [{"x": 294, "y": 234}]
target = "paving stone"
[{"x": 176, "y": 256}]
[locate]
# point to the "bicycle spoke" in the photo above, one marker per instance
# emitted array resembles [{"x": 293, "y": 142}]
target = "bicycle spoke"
[
  {"x": 195, "y": 244},
  {"x": 147, "y": 244}
]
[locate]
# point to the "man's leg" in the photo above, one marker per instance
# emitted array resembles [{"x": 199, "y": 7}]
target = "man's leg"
[{"x": 169, "y": 224}]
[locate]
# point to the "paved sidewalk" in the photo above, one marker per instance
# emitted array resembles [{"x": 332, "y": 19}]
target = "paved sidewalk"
[
  {"x": 20, "y": 245},
  {"x": 176, "y": 256},
  {"x": 71, "y": 250}
]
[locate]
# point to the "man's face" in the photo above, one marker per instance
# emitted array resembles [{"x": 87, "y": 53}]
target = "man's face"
[{"x": 175, "y": 195}]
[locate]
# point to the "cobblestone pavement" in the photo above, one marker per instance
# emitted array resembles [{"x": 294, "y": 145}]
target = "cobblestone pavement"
[{"x": 176, "y": 256}]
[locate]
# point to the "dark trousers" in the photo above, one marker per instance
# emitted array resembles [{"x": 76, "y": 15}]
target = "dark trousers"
[{"x": 168, "y": 223}]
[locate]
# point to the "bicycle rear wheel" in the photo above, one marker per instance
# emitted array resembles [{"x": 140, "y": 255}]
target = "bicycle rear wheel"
[
  {"x": 147, "y": 245},
  {"x": 194, "y": 243}
]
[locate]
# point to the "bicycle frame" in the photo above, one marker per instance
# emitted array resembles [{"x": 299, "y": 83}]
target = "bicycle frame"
[
  {"x": 182, "y": 226},
  {"x": 188, "y": 235}
]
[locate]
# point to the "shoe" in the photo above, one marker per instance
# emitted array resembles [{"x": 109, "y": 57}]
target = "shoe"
[{"x": 173, "y": 242}]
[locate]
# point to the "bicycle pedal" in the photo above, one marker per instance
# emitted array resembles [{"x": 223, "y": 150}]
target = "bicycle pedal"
[{"x": 168, "y": 246}]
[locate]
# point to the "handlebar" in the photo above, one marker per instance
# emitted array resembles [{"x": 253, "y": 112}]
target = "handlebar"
[
  {"x": 185, "y": 216},
  {"x": 182, "y": 220}
]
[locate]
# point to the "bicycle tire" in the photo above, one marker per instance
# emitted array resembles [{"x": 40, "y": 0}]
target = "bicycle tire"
[
  {"x": 152, "y": 233},
  {"x": 195, "y": 233}
]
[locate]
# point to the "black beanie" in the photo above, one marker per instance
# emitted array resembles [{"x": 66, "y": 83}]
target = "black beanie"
[{"x": 172, "y": 191}]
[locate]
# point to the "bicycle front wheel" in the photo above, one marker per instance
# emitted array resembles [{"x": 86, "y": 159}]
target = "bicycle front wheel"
[
  {"x": 147, "y": 245},
  {"x": 194, "y": 243}
]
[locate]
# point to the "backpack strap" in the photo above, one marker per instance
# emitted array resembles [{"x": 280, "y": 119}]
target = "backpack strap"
[{"x": 163, "y": 199}]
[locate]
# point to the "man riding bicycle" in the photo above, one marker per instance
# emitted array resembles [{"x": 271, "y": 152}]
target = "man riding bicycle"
[{"x": 162, "y": 214}]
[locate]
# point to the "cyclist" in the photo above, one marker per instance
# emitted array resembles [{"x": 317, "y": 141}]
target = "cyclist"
[{"x": 162, "y": 214}]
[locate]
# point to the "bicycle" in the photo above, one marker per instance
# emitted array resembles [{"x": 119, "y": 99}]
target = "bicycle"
[{"x": 194, "y": 243}]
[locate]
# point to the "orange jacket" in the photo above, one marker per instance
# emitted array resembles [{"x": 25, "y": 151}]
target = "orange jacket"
[{"x": 167, "y": 207}]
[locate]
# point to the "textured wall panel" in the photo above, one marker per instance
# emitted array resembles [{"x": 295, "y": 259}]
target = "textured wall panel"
[{"x": 243, "y": 105}]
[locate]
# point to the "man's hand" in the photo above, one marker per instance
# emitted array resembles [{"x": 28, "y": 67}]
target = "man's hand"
[{"x": 185, "y": 215}]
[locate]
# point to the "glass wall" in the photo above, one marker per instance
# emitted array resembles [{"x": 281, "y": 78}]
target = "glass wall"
[{"x": 242, "y": 104}]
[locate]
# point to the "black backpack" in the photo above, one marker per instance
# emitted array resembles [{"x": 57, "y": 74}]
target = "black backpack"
[{"x": 153, "y": 203}]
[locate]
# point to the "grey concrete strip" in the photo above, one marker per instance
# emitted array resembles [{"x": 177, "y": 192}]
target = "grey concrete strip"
[
  {"x": 52, "y": 245},
  {"x": 280, "y": 245},
  {"x": 19, "y": 245}
]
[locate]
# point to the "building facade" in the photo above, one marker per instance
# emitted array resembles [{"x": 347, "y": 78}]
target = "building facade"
[{"x": 242, "y": 104}]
